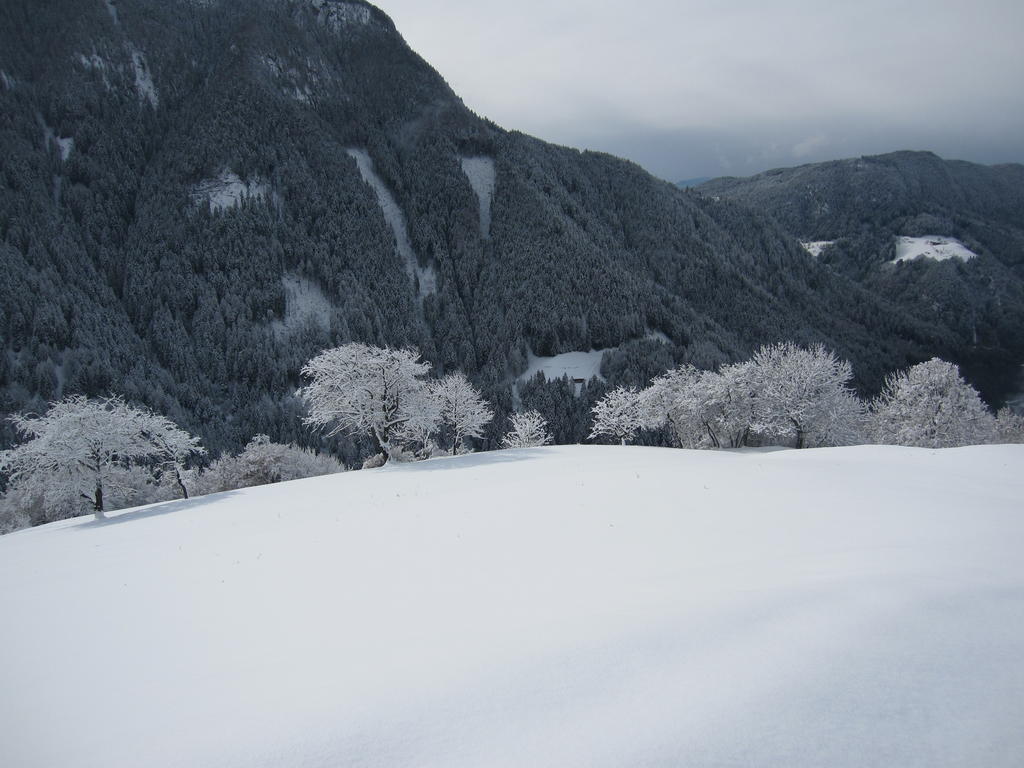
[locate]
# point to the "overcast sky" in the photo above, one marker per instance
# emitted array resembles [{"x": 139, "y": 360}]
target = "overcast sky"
[{"x": 712, "y": 87}]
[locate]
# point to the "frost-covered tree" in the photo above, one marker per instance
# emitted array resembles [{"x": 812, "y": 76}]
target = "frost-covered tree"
[
  {"x": 620, "y": 414},
  {"x": 929, "y": 405},
  {"x": 264, "y": 462},
  {"x": 361, "y": 389},
  {"x": 463, "y": 409},
  {"x": 704, "y": 409},
  {"x": 805, "y": 394},
  {"x": 529, "y": 430},
  {"x": 84, "y": 447},
  {"x": 1009, "y": 426}
]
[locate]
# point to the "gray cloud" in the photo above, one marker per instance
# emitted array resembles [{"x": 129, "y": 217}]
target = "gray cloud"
[{"x": 702, "y": 87}]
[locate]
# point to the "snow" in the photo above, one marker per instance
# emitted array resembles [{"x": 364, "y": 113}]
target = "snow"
[
  {"x": 591, "y": 605},
  {"x": 66, "y": 145},
  {"x": 575, "y": 365},
  {"x": 97, "y": 63},
  {"x": 933, "y": 247},
  {"x": 480, "y": 172},
  {"x": 143, "y": 78},
  {"x": 305, "y": 303},
  {"x": 815, "y": 247},
  {"x": 112, "y": 10},
  {"x": 7, "y": 80},
  {"x": 228, "y": 190},
  {"x": 396, "y": 220}
]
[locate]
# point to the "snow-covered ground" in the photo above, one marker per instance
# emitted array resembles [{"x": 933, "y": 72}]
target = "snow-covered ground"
[
  {"x": 228, "y": 190},
  {"x": 480, "y": 172},
  {"x": 304, "y": 304},
  {"x": 815, "y": 247},
  {"x": 575, "y": 365},
  {"x": 933, "y": 247},
  {"x": 569, "y": 606},
  {"x": 425, "y": 276}
]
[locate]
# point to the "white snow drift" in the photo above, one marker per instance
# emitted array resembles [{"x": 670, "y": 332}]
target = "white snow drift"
[
  {"x": 934, "y": 247},
  {"x": 546, "y": 607}
]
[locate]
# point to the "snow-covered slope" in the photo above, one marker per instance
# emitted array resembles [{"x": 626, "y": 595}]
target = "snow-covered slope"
[
  {"x": 569, "y": 606},
  {"x": 934, "y": 247}
]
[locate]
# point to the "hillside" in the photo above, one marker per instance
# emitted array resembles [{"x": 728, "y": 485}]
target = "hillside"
[
  {"x": 544, "y": 607},
  {"x": 196, "y": 197},
  {"x": 944, "y": 239}
]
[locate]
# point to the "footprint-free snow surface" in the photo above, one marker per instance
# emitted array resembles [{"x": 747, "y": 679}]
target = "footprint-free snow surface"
[{"x": 569, "y": 606}]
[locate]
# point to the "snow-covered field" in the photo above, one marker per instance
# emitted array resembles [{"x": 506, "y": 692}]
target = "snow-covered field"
[
  {"x": 575, "y": 365},
  {"x": 815, "y": 247},
  {"x": 569, "y": 606},
  {"x": 932, "y": 247}
]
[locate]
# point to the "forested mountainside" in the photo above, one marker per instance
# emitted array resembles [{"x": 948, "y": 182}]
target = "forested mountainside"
[
  {"x": 943, "y": 239},
  {"x": 196, "y": 196}
]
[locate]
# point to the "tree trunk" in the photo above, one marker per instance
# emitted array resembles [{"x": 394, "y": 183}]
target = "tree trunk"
[
  {"x": 97, "y": 502},
  {"x": 181, "y": 483}
]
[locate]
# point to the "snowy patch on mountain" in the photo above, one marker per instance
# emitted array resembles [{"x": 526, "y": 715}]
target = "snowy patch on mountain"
[
  {"x": 934, "y": 247},
  {"x": 339, "y": 15},
  {"x": 423, "y": 276},
  {"x": 290, "y": 80},
  {"x": 96, "y": 63},
  {"x": 65, "y": 145},
  {"x": 112, "y": 10},
  {"x": 480, "y": 172},
  {"x": 304, "y": 304},
  {"x": 6, "y": 80},
  {"x": 815, "y": 247},
  {"x": 228, "y": 190},
  {"x": 573, "y": 605},
  {"x": 578, "y": 366},
  {"x": 143, "y": 78}
]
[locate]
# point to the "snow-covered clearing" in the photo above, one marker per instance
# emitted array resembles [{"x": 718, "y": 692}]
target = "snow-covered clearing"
[
  {"x": 396, "y": 220},
  {"x": 597, "y": 606},
  {"x": 304, "y": 304},
  {"x": 575, "y": 365},
  {"x": 933, "y": 247},
  {"x": 815, "y": 247},
  {"x": 480, "y": 172},
  {"x": 228, "y": 190}
]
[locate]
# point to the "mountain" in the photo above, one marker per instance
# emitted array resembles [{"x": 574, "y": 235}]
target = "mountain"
[
  {"x": 695, "y": 181},
  {"x": 196, "y": 196},
  {"x": 943, "y": 239},
  {"x": 841, "y": 607}
]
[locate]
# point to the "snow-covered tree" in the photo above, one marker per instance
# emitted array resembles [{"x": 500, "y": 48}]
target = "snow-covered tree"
[
  {"x": 361, "y": 389},
  {"x": 704, "y": 409},
  {"x": 529, "y": 430},
  {"x": 805, "y": 394},
  {"x": 83, "y": 447},
  {"x": 463, "y": 409},
  {"x": 1009, "y": 426},
  {"x": 620, "y": 413},
  {"x": 929, "y": 405},
  {"x": 263, "y": 462}
]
